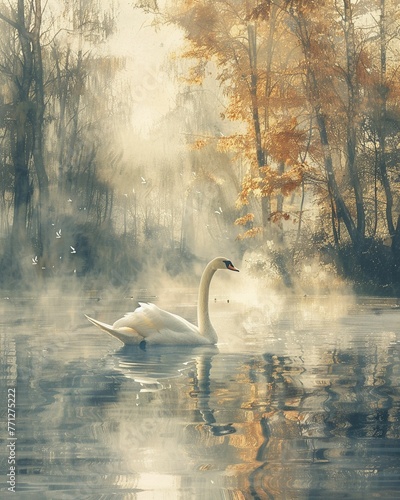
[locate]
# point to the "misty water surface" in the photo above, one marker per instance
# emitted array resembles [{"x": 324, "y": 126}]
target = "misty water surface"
[{"x": 299, "y": 400}]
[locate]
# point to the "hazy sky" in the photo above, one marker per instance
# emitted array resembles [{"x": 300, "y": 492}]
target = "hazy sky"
[{"x": 147, "y": 49}]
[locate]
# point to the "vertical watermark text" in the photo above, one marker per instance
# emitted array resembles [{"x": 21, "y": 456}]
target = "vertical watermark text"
[{"x": 11, "y": 361}]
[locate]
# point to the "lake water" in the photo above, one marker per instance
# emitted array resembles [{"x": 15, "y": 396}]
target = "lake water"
[{"x": 299, "y": 400}]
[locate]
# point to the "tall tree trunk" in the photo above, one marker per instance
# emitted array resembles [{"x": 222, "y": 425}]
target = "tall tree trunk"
[
  {"x": 353, "y": 99},
  {"x": 341, "y": 207},
  {"x": 260, "y": 153},
  {"x": 73, "y": 152},
  {"x": 61, "y": 131},
  {"x": 38, "y": 120},
  {"x": 381, "y": 129},
  {"x": 22, "y": 191}
]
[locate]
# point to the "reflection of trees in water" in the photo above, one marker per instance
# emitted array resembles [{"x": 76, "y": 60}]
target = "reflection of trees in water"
[
  {"x": 273, "y": 426},
  {"x": 266, "y": 426},
  {"x": 324, "y": 425}
]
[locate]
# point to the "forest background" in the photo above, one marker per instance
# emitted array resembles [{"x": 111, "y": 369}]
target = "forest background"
[{"x": 267, "y": 131}]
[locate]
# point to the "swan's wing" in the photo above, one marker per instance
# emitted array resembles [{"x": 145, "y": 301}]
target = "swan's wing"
[{"x": 148, "y": 319}]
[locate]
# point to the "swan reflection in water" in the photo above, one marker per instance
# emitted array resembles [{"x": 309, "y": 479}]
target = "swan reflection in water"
[{"x": 153, "y": 368}]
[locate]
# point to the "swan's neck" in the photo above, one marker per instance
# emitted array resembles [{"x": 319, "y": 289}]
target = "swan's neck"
[{"x": 203, "y": 317}]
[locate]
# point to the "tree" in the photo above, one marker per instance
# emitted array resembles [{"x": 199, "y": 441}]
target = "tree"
[
  {"x": 23, "y": 70},
  {"x": 45, "y": 93},
  {"x": 240, "y": 39},
  {"x": 318, "y": 66}
]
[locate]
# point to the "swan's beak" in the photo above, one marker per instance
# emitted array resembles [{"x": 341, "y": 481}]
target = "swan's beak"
[{"x": 231, "y": 267}]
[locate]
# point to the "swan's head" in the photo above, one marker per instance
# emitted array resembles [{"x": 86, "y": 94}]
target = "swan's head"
[{"x": 222, "y": 263}]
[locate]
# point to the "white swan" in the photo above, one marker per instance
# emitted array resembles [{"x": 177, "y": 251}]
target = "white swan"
[{"x": 152, "y": 325}]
